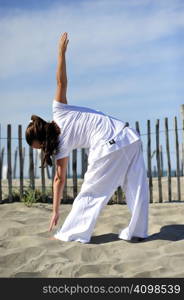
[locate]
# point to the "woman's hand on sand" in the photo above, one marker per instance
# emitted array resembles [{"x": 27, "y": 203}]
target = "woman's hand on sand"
[
  {"x": 54, "y": 220},
  {"x": 63, "y": 42}
]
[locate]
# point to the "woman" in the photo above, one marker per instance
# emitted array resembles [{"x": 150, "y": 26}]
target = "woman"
[{"x": 115, "y": 159}]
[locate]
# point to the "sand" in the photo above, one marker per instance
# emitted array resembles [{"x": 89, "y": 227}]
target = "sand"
[{"x": 26, "y": 249}]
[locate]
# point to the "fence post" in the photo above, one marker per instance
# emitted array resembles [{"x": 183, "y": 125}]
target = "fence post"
[
  {"x": 137, "y": 127},
  {"x": 119, "y": 195},
  {"x": 149, "y": 161},
  {"x": 181, "y": 159},
  {"x": 177, "y": 159},
  {"x": 168, "y": 161},
  {"x": 1, "y": 167},
  {"x": 183, "y": 147},
  {"x": 21, "y": 160},
  {"x": 82, "y": 162},
  {"x": 53, "y": 172},
  {"x": 65, "y": 187},
  {"x": 0, "y": 177},
  {"x": 36, "y": 163},
  {"x": 2, "y": 156},
  {"x": 161, "y": 160},
  {"x": 31, "y": 168},
  {"x": 10, "y": 197},
  {"x": 74, "y": 168},
  {"x": 158, "y": 162},
  {"x": 182, "y": 118},
  {"x": 15, "y": 164},
  {"x": 43, "y": 178},
  {"x": 84, "y": 159},
  {"x": 68, "y": 171}
]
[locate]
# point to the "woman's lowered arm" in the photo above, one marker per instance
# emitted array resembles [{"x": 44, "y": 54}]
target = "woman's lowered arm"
[
  {"x": 58, "y": 187},
  {"x": 61, "y": 75}
]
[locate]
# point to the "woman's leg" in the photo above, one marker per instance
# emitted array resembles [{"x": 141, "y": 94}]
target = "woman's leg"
[
  {"x": 136, "y": 189},
  {"x": 100, "y": 182}
]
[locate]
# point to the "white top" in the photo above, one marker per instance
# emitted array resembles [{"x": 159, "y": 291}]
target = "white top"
[{"x": 83, "y": 127}]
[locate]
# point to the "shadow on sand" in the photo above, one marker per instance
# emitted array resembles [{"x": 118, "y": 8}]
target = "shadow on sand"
[{"x": 168, "y": 232}]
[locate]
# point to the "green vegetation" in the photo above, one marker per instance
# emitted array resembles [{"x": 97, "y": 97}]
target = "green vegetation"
[{"x": 30, "y": 196}]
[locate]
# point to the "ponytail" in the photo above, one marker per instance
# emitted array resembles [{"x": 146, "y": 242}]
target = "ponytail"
[{"x": 50, "y": 145}]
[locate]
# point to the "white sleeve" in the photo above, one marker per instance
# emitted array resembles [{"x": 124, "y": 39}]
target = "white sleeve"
[
  {"x": 62, "y": 153},
  {"x": 61, "y": 110},
  {"x": 59, "y": 107}
]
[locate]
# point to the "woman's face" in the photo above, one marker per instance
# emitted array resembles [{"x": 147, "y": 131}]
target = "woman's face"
[{"x": 36, "y": 145}]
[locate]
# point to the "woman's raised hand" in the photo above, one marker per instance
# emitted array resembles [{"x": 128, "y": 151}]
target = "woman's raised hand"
[{"x": 63, "y": 42}]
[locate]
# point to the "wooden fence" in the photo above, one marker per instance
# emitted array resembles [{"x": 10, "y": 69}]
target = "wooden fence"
[{"x": 19, "y": 155}]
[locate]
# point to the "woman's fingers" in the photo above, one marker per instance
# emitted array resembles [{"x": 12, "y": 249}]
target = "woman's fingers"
[
  {"x": 53, "y": 221},
  {"x": 63, "y": 42},
  {"x": 51, "y": 224},
  {"x": 64, "y": 36}
]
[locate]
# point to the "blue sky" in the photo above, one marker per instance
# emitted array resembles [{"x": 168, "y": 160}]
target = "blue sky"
[{"x": 125, "y": 58}]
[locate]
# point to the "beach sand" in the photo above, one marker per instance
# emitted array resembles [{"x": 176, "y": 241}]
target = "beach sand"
[{"x": 26, "y": 249}]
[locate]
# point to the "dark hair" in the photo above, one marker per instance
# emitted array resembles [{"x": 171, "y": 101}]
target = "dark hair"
[{"x": 46, "y": 133}]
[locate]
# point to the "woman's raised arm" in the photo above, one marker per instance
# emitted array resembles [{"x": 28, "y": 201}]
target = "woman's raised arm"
[{"x": 61, "y": 76}]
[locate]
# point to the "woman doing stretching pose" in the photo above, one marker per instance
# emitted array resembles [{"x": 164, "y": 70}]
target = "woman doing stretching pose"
[{"x": 115, "y": 159}]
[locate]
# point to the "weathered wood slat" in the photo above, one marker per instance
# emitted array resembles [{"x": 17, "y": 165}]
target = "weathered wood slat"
[
  {"x": 177, "y": 159},
  {"x": 31, "y": 168},
  {"x": 2, "y": 155},
  {"x": 15, "y": 164},
  {"x": 65, "y": 188},
  {"x": 182, "y": 159},
  {"x": 137, "y": 127},
  {"x": 53, "y": 171},
  {"x": 168, "y": 161},
  {"x": 10, "y": 196},
  {"x": 21, "y": 161},
  {"x": 149, "y": 161},
  {"x": 182, "y": 151},
  {"x": 43, "y": 178},
  {"x": 119, "y": 195},
  {"x": 158, "y": 162},
  {"x": 161, "y": 160},
  {"x": 68, "y": 168},
  {"x": 36, "y": 163},
  {"x": 84, "y": 160},
  {"x": 183, "y": 145},
  {"x": 1, "y": 169},
  {"x": 74, "y": 169}
]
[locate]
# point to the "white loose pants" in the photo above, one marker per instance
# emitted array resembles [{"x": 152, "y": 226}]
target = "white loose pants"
[{"x": 124, "y": 167}]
